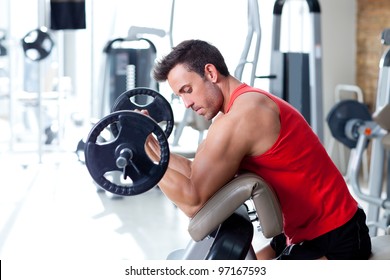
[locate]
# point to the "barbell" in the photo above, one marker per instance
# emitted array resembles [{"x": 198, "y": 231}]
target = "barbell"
[
  {"x": 124, "y": 152},
  {"x": 142, "y": 98}
]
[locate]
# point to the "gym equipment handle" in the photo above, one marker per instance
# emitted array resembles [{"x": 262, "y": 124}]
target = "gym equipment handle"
[{"x": 314, "y": 6}]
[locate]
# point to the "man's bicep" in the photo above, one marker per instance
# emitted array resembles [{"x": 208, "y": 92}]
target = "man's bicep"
[{"x": 216, "y": 162}]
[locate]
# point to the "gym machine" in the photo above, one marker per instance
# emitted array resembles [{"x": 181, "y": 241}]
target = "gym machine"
[
  {"x": 223, "y": 228},
  {"x": 129, "y": 64},
  {"x": 345, "y": 92},
  {"x": 253, "y": 37},
  {"x": 352, "y": 124},
  {"x": 297, "y": 77}
]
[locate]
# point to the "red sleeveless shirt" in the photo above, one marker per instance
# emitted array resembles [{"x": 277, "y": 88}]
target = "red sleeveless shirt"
[{"x": 312, "y": 192}]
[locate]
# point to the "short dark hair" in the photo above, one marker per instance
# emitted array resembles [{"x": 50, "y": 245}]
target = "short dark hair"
[{"x": 194, "y": 54}]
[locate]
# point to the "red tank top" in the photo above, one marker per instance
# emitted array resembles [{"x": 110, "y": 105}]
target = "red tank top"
[{"x": 312, "y": 192}]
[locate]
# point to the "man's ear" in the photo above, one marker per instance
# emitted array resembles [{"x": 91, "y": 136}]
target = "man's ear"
[{"x": 211, "y": 72}]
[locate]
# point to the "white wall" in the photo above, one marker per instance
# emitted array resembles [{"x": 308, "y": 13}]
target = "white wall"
[
  {"x": 339, "y": 53},
  {"x": 339, "y": 45}
]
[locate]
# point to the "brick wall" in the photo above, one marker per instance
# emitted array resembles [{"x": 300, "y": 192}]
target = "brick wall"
[{"x": 372, "y": 17}]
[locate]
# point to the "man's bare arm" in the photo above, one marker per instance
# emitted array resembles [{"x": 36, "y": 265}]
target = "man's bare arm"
[{"x": 189, "y": 184}]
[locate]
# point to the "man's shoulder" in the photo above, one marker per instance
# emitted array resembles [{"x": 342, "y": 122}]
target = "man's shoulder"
[{"x": 249, "y": 101}]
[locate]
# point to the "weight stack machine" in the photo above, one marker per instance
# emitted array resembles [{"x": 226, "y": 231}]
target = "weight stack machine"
[
  {"x": 129, "y": 64},
  {"x": 296, "y": 76}
]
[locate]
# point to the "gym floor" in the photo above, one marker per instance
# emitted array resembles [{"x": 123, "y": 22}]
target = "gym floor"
[{"x": 52, "y": 209}]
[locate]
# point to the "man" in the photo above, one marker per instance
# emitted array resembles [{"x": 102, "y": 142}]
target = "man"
[{"x": 255, "y": 131}]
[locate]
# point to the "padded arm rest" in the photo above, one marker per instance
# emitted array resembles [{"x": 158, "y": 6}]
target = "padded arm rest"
[{"x": 224, "y": 202}]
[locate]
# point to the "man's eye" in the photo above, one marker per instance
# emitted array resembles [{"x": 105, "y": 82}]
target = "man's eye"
[{"x": 187, "y": 90}]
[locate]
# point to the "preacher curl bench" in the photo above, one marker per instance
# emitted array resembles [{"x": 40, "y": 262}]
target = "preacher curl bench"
[{"x": 212, "y": 239}]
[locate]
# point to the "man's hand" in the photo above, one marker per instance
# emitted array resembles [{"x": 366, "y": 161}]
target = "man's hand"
[{"x": 152, "y": 146}]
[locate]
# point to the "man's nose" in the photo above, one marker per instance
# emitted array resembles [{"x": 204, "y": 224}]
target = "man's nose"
[{"x": 187, "y": 102}]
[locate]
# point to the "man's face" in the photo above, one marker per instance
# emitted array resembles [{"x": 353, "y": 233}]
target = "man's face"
[{"x": 197, "y": 93}]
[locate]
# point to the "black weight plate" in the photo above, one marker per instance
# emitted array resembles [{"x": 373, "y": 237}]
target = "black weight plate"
[
  {"x": 37, "y": 44},
  {"x": 159, "y": 108},
  {"x": 100, "y": 158},
  {"x": 340, "y": 114}
]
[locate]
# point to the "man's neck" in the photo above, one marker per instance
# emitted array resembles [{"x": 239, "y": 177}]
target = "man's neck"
[{"x": 228, "y": 87}]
